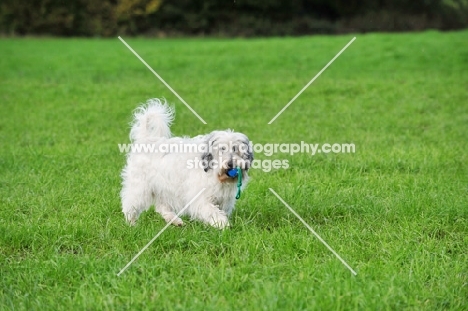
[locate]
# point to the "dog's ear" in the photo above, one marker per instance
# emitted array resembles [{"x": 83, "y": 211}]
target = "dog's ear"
[
  {"x": 250, "y": 159},
  {"x": 248, "y": 155},
  {"x": 207, "y": 158}
]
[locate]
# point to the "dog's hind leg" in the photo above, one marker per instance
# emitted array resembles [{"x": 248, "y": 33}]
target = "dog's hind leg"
[
  {"x": 131, "y": 213},
  {"x": 134, "y": 203},
  {"x": 168, "y": 214}
]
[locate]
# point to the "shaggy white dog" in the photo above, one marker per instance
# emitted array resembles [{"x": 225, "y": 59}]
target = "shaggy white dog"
[{"x": 168, "y": 172}]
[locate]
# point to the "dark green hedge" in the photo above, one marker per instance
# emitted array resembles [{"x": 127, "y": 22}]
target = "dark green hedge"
[{"x": 226, "y": 17}]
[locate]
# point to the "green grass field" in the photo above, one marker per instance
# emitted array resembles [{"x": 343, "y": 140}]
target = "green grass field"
[{"x": 396, "y": 210}]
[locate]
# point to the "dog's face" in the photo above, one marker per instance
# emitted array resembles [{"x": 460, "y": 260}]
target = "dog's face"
[{"x": 228, "y": 150}]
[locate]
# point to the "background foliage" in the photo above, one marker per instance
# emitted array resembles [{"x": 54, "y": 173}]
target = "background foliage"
[{"x": 226, "y": 18}]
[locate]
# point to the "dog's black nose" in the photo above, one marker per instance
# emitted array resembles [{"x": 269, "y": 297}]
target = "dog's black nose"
[{"x": 230, "y": 164}]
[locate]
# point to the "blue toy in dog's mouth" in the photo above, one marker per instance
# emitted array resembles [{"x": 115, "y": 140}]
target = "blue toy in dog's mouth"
[{"x": 232, "y": 173}]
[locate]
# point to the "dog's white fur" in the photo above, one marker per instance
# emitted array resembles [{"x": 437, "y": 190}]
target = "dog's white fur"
[{"x": 165, "y": 180}]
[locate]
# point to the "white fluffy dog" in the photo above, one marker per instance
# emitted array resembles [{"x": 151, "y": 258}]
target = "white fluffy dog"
[{"x": 168, "y": 172}]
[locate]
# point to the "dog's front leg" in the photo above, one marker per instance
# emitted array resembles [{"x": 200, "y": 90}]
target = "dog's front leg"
[
  {"x": 212, "y": 215},
  {"x": 169, "y": 215},
  {"x": 218, "y": 218}
]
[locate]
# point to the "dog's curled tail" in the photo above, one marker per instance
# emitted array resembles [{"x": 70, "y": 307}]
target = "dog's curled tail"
[{"x": 151, "y": 121}]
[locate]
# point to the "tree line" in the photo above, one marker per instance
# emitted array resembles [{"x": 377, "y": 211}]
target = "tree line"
[{"x": 226, "y": 17}]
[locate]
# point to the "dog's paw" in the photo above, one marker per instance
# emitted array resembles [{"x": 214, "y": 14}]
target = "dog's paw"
[
  {"x": 131, "y": 218},
  {"x": 177, "y": 222},
  {"x": 172, "y": 218},
  {"x": 219, "y": 221}
]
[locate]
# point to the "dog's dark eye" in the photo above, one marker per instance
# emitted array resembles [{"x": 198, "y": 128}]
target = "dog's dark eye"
[
  {"x": 223, "y": 148},
  {"x": 234, "y": 148}
]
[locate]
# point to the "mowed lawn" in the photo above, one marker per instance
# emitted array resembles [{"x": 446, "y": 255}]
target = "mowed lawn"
[{"x": 396, "y": 210}]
